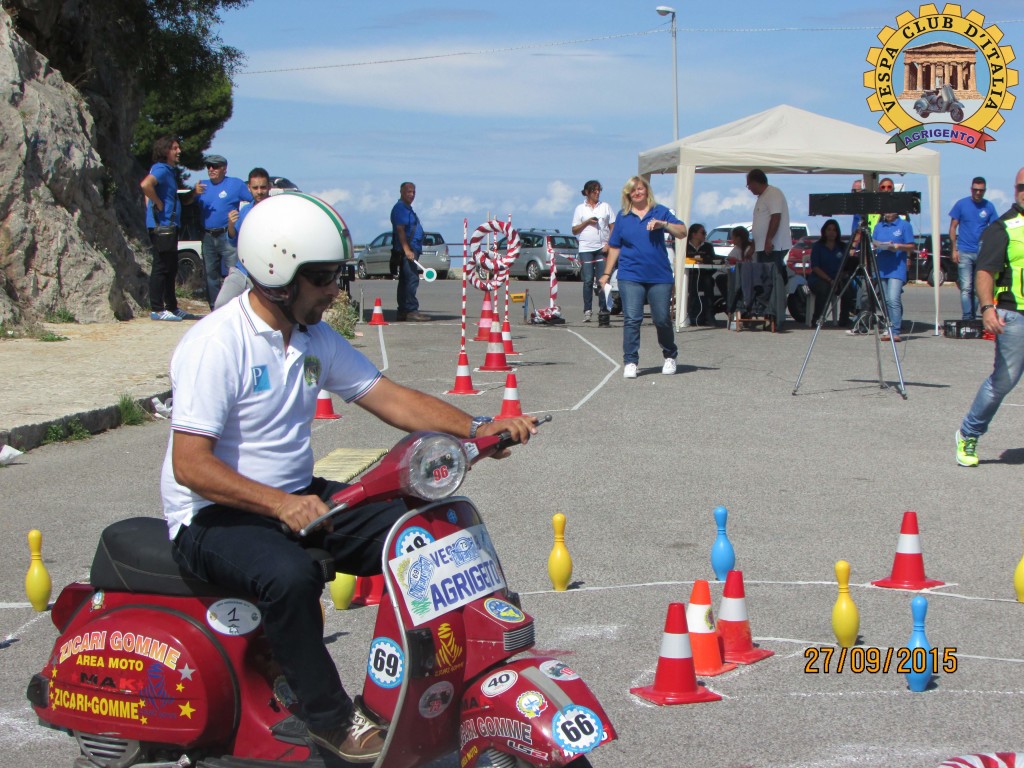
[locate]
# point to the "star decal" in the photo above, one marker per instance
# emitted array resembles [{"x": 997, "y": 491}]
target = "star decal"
[
  {"x": 179, "y": 687},
  {"x": 186, "y": 672},
  {"x": 144, "y": 720},
  {"x": 53, "y": 671},
  {"x": 186, "y": 709}
]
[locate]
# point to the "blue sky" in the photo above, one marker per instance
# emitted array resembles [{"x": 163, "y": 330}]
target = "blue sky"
[{"x": 551, "y": 94}]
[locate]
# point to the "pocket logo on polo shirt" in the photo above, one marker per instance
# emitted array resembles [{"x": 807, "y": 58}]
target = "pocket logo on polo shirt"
[
  {"x": 311, "y": 369},
  {"x": 260, "y": 379}
]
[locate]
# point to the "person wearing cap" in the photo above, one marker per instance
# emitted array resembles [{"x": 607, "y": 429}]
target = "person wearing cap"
[{"x": 222, "y": 195}]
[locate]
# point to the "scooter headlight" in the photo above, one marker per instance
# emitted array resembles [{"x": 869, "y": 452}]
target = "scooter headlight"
[{"x": 435, "y": 467}]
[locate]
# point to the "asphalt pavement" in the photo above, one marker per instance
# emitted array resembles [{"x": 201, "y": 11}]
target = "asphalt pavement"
[{"x": 637, "y": 467}]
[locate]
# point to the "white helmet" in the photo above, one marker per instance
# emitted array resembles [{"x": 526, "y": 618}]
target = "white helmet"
[{"x": 286, "y": 231}]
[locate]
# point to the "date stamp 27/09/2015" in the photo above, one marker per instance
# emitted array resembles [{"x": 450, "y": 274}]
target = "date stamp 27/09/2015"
[{"x": 826, "y": 659}]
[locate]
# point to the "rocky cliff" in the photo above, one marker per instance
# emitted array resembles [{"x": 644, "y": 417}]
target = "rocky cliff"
[{"x": 64, "y": 195}]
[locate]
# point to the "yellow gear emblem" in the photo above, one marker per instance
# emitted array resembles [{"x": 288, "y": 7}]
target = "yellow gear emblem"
[{"x": 956, "y": 123}]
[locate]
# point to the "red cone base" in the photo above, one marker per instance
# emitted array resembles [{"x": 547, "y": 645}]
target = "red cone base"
[
  {"x": 325, "y": 406},
  {"x": 369, "y": 590},
  {"x": 483, "y": 332},
  {"x": 495, "y": 359},
  {"x": 378, "y": 314},
  {"x": 734, "y": 627},
  {"x": 463, "y": 380},
  {"x": 674, "y": 679},
  {"x": 506, "y": 339},
  {"x": 510, "y": 403},
  {"x": 908, "y": 565}
]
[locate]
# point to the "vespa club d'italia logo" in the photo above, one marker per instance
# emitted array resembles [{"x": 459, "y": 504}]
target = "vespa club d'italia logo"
[{"x": 940, "y": 77}]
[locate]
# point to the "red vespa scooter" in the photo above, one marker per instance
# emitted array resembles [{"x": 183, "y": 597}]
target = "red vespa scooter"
[{"x": 157, "y": 670}]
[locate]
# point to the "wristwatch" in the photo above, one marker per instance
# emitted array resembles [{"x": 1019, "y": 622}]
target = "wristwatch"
[
  {"x": 477, "y": 422},
  {"x": 986, "y": 307}
]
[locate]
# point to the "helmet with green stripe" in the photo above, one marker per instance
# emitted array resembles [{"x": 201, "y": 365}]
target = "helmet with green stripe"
[{"x": 285, "y": 232}]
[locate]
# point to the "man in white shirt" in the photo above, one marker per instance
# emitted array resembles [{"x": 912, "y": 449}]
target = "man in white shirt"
[
  {"x": 592, "y": 223},
  {"x": 772, "y": 235}
]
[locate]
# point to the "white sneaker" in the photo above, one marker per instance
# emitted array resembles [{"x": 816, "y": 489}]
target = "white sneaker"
[
  {"x": 669, "y": 367},
  {"x": 629, "y": 372},
  {"x": 586, "y": 316}
]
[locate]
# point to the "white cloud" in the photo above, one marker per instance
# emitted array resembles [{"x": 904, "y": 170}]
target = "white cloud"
[
  {"x": 1001, "y": 200},
  {"x": 557, "y": 201},
  {"x": 737, "y": 203}
]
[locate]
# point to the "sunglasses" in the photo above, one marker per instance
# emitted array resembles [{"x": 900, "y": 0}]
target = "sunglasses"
[
  {"x": 977, "y": 189},
  {"x": 1020, "y": 188},
  {"x": 218, "y": 165},
  {"x": 321, "y": 278}
]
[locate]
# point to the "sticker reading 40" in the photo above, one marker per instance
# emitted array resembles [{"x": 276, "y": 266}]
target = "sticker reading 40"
[{"x": 824, "y": 659}]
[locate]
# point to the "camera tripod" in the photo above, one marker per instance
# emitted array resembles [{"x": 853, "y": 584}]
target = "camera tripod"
[{"x": 876, "y": 313}]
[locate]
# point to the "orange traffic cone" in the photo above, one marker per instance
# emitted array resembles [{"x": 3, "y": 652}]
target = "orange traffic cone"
[
  {"x": 325, "y": 406},
  {"x": 704, "y": 639},
  {"x": 674, "y": 680},
  {"x": 495, "y": 359},
  {"x": 733, "y": 625},
  {"x": 908, "y": 565},
  {"x": 510, "y": 402},
  {"x": 463, "y": 379},
  {"x": 483, "y": 332},
  {"x": 378, "y": 314},
  {"x": 369, "y": 590}
]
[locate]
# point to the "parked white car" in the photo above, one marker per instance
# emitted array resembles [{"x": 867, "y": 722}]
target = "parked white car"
[{"x": 719, "y": 236}]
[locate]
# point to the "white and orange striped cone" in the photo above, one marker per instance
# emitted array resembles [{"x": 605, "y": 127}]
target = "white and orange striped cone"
[
  {"x": 483, "y": 332},
  {"x": 704, "y": 639},
  {"x": 908, "y": 565},
  {"x": 734, "y": 626},
  {"x": 463, "y": 379},
  {"x": 495, "y": 359},
  {"x": 378, "y": 314},
  {"x": 674, "y": 680},
  {"x": 510, "y": 402},
  {"x": 369, "y": 590},
  {"x": 325, "y": 406},
  {"x": 506, "y": 337}
]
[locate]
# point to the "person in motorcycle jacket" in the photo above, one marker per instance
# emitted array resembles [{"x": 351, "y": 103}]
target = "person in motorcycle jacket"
[{"x": 237, "y": 481}]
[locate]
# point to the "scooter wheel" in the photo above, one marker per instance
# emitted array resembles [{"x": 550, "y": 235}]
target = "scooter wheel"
[
  {"x": 924, "y": 114},
  {"x": 957, "y": 114}
]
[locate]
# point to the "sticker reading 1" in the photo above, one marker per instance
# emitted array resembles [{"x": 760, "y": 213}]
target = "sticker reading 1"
[{"x": 386, "y": 663}]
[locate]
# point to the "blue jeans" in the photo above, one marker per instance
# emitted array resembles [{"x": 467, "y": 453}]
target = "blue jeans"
[
  {"x": 892, "y": 291},
  {"x": 408, "y": 283},
  {"x": 592, "y": 263},
  {"x": 965, "y": 276},
  {"x": 249, "y": 554},
  {"x": 634, "y": 296},
  {"x": 1009, "y": 365},
  {"x": 219, "y": 255}
]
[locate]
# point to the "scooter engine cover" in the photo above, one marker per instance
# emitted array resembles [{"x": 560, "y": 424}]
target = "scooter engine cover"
[{"x": 150, "y": 675}]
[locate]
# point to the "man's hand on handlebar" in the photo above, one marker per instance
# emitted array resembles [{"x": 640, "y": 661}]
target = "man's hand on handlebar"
[
  {"x": 519, "y": 427},
  {"x": 299, "y": 511}
]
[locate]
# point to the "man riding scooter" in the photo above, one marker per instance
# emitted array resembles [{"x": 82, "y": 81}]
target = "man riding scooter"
[{"x": 237, "y": 481}]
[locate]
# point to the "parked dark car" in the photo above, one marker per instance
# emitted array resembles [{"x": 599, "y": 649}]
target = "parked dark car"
[{"x": 919, "y": 263}]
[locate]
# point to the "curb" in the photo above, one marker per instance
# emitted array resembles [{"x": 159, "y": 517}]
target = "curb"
[{"x": 95, "y": 421}]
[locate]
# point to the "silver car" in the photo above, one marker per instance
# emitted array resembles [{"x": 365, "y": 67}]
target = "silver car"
[
  {"x": 536, "y": 249},
  {"x": 375, "y": 259}
]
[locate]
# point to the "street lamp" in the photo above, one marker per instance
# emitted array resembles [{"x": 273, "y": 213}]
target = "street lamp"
[{"x": 664, "y": 10}]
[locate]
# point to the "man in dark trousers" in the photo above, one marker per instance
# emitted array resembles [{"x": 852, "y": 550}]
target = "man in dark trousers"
[{"x": 406, "y": 247}]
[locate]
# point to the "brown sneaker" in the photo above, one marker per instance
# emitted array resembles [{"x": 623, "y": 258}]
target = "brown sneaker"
[
  {"x": 359, "y": 742},
  {"x": 416, "y": 317}
]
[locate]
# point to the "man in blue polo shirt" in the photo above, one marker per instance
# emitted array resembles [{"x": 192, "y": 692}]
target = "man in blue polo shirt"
[
  {"x": 406, "y": 247},
  {"x": 968, "y": 219},
  {"x": 223, "y": 194}
]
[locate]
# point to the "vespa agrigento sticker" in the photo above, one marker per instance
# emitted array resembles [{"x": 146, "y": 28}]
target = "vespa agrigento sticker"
[
  {"x": 503, "y": 610},
  {"x": 447, "y": 573},
  {"x": 940, "y": 77},
  {"x": 233, "y": 617},
  {"x": 577, "y": 729},
  {"x": 386, "y": 663}
]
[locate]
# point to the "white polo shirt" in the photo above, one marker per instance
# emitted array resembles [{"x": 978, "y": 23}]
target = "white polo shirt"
[
  {"x": 233, "y": 380},
  {"x": 593, "y": 238},
  {"x": 769, "y": 202}
]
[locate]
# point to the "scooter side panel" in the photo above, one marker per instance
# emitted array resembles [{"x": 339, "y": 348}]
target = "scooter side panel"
[{"x": 537, "y": 709}]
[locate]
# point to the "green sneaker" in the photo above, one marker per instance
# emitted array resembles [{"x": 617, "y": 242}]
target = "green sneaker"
[{"x": 966, "y": 450}]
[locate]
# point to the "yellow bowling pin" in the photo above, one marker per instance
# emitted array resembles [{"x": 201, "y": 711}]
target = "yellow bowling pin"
[
  {"x": 1018, "y": 581},
  {"x": 845, "y": 618},
  {"x": 343, "y": 587},
  {"x": 37, "y": 580},
  {"x": 559, "y": 561}
]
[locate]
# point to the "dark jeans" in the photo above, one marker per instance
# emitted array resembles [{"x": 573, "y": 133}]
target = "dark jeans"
[
  {"x": 592, "y": 264},
  {"x": 162, "y": 278},
  {"x": 219, "y": 255},
  {"x": 252, "y": 555},
  {"x": 821, "y": 289},
  {"x": 408, "y": 283},
  {"x": 778, "y": 258}
]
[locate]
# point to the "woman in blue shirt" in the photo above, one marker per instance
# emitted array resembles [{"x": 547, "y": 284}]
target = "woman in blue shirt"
[
  {"x": 893, "y": 239},
  {"x": 827, "y": 257},
  {"x": 637, "y": 249}
]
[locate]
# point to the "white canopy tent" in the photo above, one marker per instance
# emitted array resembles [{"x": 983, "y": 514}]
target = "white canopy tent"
[{"x": 785, "y": 139}]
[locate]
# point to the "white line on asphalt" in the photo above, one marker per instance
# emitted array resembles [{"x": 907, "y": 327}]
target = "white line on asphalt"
[
  {"x": 15, "y": 605},
  {"x": 383, "y": 350},
  {"x": 604, "y": 381}
]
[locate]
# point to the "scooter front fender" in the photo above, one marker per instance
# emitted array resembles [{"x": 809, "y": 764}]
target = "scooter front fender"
[{"x": 535, "y": 708}]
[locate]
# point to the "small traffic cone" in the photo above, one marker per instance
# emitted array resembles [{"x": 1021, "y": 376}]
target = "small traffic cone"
[
  {"x": 510, "y": 402},
  {"x": 463, "y": 379},
  {"x": 483, "y": 332},
  {"x": 733, "y": 625},
  {"x": 506, "y": 337},
  {"x": 378, "y": 314},
  {"x": 495, "y": 359},
  {"x": 704, "y": 639},
  {"x": 674, "y": 680},
  {"x": 369, "y": 590},
  {"x": 908, "y": 565},
  {"x": 325, "y": 406}
]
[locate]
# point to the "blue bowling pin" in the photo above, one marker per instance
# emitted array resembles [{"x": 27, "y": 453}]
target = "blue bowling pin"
[
  {"x": 918, "y": 680},
  {"x": 723, "y": 557}
]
